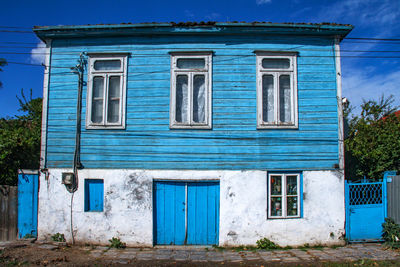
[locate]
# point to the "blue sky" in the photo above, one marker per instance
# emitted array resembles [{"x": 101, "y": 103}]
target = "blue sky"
[{"x": 363, "y": 77}]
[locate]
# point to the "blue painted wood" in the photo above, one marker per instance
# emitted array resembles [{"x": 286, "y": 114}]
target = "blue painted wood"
[
  {"x": 233, "y": 142},
  {"x": 94, "y": 194},
  {"x": 27, "y": 204},
  {"x": 366, "y": 209},
  {"x": 203, "y": 213},
  {"x": 201, "y": 217},
  {"x": 169, "y": 213}
]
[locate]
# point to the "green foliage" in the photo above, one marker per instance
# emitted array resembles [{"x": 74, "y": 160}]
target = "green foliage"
[
  {"x": 265, "y": 243},
  {"x": 29, "y": 236},
  {"x": 373, "y": 142},
  {"x": 116, "y": 243},
  {"x": 391, "y": 233},
  {"x": 58, "y": 237},
  {"x": 20, "y": 140}
]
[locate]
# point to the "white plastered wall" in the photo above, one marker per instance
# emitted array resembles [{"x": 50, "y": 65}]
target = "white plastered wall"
[{"x": 243, "y": 207}]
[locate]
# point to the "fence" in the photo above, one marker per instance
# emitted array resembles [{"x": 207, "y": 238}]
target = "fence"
[{"x": 8, "y": 212}]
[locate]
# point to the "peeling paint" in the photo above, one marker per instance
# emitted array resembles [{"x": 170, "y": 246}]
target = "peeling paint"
[{"x": 243, "y": 207}]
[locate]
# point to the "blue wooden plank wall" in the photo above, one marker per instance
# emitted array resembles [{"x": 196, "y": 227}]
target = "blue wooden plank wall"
[{"x": 232, "y": 143}]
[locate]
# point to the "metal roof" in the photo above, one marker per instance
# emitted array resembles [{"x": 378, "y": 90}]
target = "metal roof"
[{"x": 210, "y": 27}]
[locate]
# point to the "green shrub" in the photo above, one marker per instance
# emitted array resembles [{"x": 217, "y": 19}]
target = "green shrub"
[
  {"x": 391, "y": 233},
  {"x": 265, "y": 243},
  {"x": 116, "y": 243},
  {"x": 58, "y": 237}
]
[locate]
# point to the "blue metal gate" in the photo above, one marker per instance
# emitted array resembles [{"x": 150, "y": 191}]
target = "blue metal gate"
[
  {"x": 366, "y": 209},
  {"x": 27, "y": 202},
  {"x": 186, "y": 213}
]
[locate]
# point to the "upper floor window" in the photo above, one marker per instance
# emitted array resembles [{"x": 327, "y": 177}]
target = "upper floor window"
[
  {"x": 106, "y": 91},
  {"x": 276, "y": 90},
  {"x": 190, "y": 105}
]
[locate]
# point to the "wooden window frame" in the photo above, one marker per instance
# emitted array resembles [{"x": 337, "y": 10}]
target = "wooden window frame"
[
  {"x": 284, "y": 195},
  {"x": 122, "y": 72},
  {"x": 207, "y": 72},
  {"x": 292, "y": 72}
]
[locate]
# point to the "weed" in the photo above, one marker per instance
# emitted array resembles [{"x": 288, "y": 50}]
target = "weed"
[
  {"x": 58, "y": 237},
  {"x": 391, "y": 233},
  {"x": 116, "y": 243},
  {"x": 265, "y": 243},
  {"x": 218, "y": 247},
  {"x": 29, "y": 236}
]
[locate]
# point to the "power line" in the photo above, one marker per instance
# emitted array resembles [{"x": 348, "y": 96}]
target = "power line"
[{"x": 370, "y": 38}]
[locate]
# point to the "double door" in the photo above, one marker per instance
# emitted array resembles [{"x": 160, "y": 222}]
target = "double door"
[{"x": 186, "y": 213}]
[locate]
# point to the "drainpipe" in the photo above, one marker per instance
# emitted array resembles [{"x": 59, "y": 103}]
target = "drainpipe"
[{"x": 78, "y": 69}]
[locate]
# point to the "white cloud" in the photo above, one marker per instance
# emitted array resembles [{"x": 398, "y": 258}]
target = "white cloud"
[
  {"x": 189, "y": 14},
  {"x": 261, "y": 2},
  {"x": 213, "y": 16},
  {"x": 362, "y": 83},
  {"x": 38, "y": 54}
]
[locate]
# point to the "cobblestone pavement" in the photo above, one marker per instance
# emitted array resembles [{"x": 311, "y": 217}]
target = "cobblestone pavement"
[
  {"x": 200, "y": 254},
  {"x": 208, "y": 256}
]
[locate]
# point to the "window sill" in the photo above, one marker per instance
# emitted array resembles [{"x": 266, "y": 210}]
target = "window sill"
[
  {"x": 105, "y": 127},
  {"x": 275, "y": 126},
  {"x": 205, "y": 127}
]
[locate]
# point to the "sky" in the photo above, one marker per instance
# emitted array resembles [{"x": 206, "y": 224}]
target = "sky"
[{"x": 366, "y": 74}]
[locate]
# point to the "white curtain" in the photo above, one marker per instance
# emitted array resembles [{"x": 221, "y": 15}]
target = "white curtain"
[
  {"x": 181, "y": 114},
  {"x": 199, "y": 98},
  {"x": 268, "y": 98},
  {"x": 285, "y": 102}
]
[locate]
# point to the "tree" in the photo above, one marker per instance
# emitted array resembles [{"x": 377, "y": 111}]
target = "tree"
[
  {"x": 20, "y": 140},
  {"x": 373, "y": 142},
  {"x": 3, "y": 62}
]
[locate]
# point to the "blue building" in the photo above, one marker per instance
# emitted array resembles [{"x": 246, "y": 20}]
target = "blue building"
[{"x": 193, "y": 133}]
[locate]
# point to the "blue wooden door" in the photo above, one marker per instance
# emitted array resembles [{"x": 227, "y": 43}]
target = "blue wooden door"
[
  {"x": 203, "y": 213},
  {"x": 365, "y": 210},
  {"x": 186, "y": 213},
  {"x": 169, "y": 210},
  {"x": 27, "y": 203}
]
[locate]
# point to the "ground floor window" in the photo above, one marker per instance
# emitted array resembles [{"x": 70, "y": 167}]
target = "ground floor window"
[{"x": 284, "y": 199}]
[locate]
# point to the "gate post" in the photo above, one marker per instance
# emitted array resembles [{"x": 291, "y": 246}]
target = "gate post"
[{"x": 347, "y": 209}]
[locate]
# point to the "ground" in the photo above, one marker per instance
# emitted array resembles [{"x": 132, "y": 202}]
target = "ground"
[{"x": 26, "y": 253}]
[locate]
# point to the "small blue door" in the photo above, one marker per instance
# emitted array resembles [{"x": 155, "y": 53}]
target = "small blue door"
[
  {"x": 27, "y": 203},
  {"x": 365, "y": 210},
  {"x": 186, "y": 213}
]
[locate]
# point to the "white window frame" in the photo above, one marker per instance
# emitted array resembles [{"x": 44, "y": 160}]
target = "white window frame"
[
  {"x": 284, "y": 196},
  {"x": 207, "y": 72},
  {"x": 122, "y": 72},
  {"x": 292, "y": 72}
]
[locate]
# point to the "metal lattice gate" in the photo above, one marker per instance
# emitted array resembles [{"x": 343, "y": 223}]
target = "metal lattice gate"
[{"x": 366, "y": 209}]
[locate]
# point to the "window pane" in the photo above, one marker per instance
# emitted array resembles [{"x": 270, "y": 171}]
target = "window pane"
[
  {"x": 292, "y": 206},
  {"x": 199, "y": 98},
  {"x": 114, "y": 86},
  {"x": 97, "y": 99},
  {"x": 276, "y": 185},
  {"x": 98, "y": 87},
  {"x": 107, "y": 65},
  {"x": 276, "y": 206},
  {"x": 113, "y": 110},
  {"x": 113, "y": 99},
  {"x": 268, "y": 98},
  {"x": 276, "y": 63},
  {"x": 291, "y": 185},
  {"x": 285, "y": 99},
  {"x": 181, "y": 98},
  {"x": 191, "y": 63}
]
